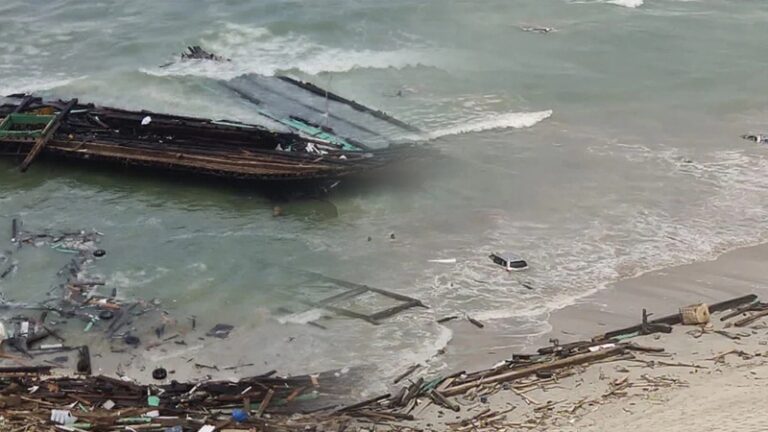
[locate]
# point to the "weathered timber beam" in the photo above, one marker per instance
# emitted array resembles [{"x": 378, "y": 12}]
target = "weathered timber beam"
[
  {"x": 47, "y": 134},
  {"x": 526, "y": 371}
]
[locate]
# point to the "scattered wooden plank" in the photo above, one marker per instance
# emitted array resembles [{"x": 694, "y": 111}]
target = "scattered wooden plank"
[
  {"x": 750, "y": 319},
  {"x": 402, "y": 376},
  {"x": 530, "y": 370},
  {"x": 676, "y": 319},
  {"x": 265, "y": 402}
]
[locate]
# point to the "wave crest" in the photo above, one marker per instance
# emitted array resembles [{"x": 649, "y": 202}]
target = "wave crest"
[{"x": 512, "y": 120}]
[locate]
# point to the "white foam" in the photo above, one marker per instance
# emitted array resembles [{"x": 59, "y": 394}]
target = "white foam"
[
  {"x": 30, "y": 85},
  {"x": 513, "y": 120},
  {"x": 627, "y": 3},
  {"x": 301, "y": 317},
  {"x": 624, "y": 3},
  {"x": 257, "y": 50}
]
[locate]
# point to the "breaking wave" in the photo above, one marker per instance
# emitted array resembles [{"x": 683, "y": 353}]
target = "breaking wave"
[
  {"x": 257, "y": 50},
  {"x": 31, "y": 85},
  {"x": 513, "y": 120},
  {"x": 625, "y": 3}
]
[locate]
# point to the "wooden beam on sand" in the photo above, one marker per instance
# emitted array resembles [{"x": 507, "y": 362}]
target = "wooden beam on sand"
[
  {"x": 675, "y": 319},
  {"x": 47, "y": 134},
  {"x": 530, "y": 370}
]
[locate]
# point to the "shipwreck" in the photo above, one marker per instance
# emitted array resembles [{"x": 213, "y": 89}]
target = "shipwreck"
[{"x": 300, "y": 133}]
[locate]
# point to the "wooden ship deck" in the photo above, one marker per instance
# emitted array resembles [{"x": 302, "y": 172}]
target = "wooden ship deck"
[{"x": 31, "y": 127}]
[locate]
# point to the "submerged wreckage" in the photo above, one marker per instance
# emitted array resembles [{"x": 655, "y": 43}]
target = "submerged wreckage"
[{"x": 301, "y": 132}]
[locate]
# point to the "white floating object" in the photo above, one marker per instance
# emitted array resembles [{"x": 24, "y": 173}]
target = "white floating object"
[
  {"x": 146, "y": 120},
  {"x": 51, "y": 346},
  {"x": 601, "y": 347},
  {"x": 63, "y": 417},
  {"x": 108, "y": 405},
  {"x": 444, "y": 261},
  {"x": 509, "y": 261},
  {"x": 207, "y": 428}
]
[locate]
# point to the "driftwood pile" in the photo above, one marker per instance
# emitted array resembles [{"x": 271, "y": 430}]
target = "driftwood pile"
[{"x": 100, "y": 403}]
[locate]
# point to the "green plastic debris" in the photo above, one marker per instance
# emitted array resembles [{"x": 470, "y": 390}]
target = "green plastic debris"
[
  {"x": 153, "y": 401},
  {"x": 60, "y": 248},
  {"x": 24, "y": 125},
  {"x": 83, "y": 426},
  {"x": 89, "y": 326},
  {"x": 431, "y": 385}
]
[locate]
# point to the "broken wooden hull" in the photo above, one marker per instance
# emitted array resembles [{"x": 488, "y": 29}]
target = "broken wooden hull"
[{"x": 233, "y": 150}]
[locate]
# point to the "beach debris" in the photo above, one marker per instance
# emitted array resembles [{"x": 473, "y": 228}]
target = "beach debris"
[
  {"x": 227, "y": 403},
  {"x": 757, "y": 138},
  {"x": 509, "y": 261},
  {"x": 15, "y": 226},
  {"x": 475, "y": 322},
  {"x": 405, "y": 374},
  {"x": 239, "y": 415},
  {"x": 63, "y": 417},
  {"x": 353, "y": 290},
  {"x": 220, "y": 331},
  {"x": 751, "y": 318},
  {"x": 146, "y": 120},
  {"x": 159, "y": 374},
  {"x": 446, "y": 319},
  {"x": 694, "y": 314},
  {"x": 675, "y": 319},
  {"x": 754, "y": 306}
]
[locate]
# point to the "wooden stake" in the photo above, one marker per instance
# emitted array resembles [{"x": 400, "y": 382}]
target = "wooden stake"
[{"x": 265, "y": 403}]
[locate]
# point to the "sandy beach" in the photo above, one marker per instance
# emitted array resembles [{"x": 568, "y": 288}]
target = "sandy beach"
[{"x": 702, "y": 395}]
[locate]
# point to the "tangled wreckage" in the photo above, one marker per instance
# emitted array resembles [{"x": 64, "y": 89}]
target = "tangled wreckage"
[{"x": 301, "y": 133}]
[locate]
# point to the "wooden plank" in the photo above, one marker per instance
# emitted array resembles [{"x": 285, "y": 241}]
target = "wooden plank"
[
  {"x": 349, "y": 284},
  {"x": 26, "y": 102},
  {"x": 750, "y": 319},
  {"x": 48, "y": 132},
  {"x": 526, "y": 371},
  {"x": 265, "y": 402},
  {"x": 343, "y": 296},
  {"x": 386, "y": 313},
  {"x": 350, "y": 314},
  {"x": 676, "y": 319}
]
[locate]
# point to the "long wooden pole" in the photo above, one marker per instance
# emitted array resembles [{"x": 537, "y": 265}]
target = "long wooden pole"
[
  {"x": 46, "y": 136},
  {"x": 523, "y": 372}
]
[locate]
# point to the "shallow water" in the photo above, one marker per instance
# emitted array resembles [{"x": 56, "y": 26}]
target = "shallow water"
[{"x": 600, "y": 151}]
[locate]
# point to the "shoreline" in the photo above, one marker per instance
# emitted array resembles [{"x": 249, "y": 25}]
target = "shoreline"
[{"x": 733, "y": 273}]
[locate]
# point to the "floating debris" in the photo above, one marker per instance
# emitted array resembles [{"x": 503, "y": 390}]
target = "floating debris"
[
  {"x": 758, "y": 138},
  {"x": 220, "y": 331}
]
